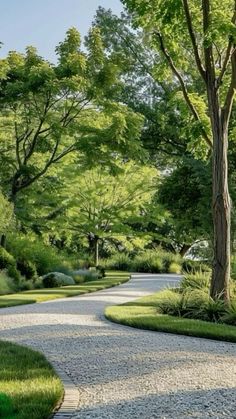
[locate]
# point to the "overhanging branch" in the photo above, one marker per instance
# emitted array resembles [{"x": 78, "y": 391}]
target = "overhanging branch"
[{"x": 182, "y": 84}]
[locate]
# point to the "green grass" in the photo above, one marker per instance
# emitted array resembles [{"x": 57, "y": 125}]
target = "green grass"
[
  {"x": 29, "y": 387},
  {"x": 143, "y": 314},
  {"x": 37, "y": 296}
]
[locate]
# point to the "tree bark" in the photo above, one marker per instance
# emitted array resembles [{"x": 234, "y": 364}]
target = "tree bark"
[{"x": 221, "y": 214}]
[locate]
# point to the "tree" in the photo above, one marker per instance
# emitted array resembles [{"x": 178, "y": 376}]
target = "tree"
[
  {"x": 49, "y": 111},
  {"x": 167, "y": 134},
  {"x": 100, "y": 209},
  {"x": 198, "y": 40},
  {"x": 185, "y": 193}
]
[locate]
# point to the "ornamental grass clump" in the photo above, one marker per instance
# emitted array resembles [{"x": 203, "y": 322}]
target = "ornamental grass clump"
[{"x": 199, "y": 280}]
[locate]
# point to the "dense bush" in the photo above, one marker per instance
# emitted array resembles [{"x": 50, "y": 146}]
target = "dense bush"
[
  {"x": 149, "y": 262},
  {"x": 57, "y": 279},
  {"x": 198, "y": 280},
  {"x": 174, "y": 268},
  {"x": 194, "y": 266},
  {"x": 45, "y": 258},
  {"x": 6, "y": 259},
  {"x": 14, "y": 274},
  {"x": 119, "y": 262},
  {"x": 193, "y": 304},
  {"x": 84, "y": 275},
  {"x": 26, "y": 268},
  {"x": 7, "y": 284}
]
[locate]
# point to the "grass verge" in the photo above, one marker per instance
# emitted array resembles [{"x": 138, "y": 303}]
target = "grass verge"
[
  {"x": 112, "y": 279},
  {"x": 143, "y": 314},
  {"x": 29, "y": 387}
]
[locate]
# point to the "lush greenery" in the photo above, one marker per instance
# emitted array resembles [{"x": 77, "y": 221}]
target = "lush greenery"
[
  {"x": 112, "y": 279},
  {"x": 29, "y": 385},
  {"x": 104, "y": 166},
  {"x": 187, "y": 309}
]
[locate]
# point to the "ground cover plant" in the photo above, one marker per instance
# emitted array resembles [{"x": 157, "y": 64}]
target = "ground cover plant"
[
  {"x": 29, "y": 387},
  {"x": 187, "y": 309}
]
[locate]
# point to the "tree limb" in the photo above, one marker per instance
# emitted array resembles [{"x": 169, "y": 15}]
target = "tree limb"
[
  {"x": 193, "y": 39},
  {"x": 182, "y": 84}
]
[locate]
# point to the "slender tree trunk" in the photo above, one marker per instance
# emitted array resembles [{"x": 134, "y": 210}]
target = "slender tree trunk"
[
  {"x": 96, "y": 250},
  {"x": 221, "y": 215}
]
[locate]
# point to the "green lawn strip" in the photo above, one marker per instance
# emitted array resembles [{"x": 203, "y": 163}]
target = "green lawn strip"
[
  {"x": 29, "y": 387},
  {"x": 36, "y": 296},
  {"x": 143, "y": 314}
]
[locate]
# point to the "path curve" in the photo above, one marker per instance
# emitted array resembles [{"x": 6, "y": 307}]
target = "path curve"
[{"x": 116, "y": 372}]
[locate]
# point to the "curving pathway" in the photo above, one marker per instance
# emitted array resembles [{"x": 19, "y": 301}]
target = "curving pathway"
[{"x": 113, "y": 372}]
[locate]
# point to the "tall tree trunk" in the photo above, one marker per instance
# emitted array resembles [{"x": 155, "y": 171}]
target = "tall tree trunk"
[{"x": 221, "y": 215}]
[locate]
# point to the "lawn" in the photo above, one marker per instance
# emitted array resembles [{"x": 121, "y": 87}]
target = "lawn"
[
  {"x": 37, "y": 296},
  {"x": 29, "y": 387},
  {"x": 143, "y": 314}
]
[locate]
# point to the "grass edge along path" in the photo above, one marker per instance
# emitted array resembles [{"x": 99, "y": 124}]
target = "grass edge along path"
[
  {"x": 143, "y": 314},
  {"x": 29, "y": 386},
  {"x": 112, "y": 279}
]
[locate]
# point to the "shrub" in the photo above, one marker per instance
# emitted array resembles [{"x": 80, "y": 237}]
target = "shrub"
[
  {"x": 194, "y": 266},
  {"x": 83, "y": 275},
  {"x": 120, "y": 262},
  {"x": 101, "y": 271},
  {"x": 148, "y": 262},
  {"x": 45, "y": 258},
  {"x": 7, "y": 285},
  {"x": 174, "y": 268},
  {"x": 14, "y": 274},
  {"x": 198, "y": 280},
  {"x": 169, "y": 259},
  {"x": 229, "y": 316},
  {"x": 26, "y": 268},
  {"x": 57, "y": 279},
  {"x": 6, "y": 259},
  {"x": 193, "y": 304}
]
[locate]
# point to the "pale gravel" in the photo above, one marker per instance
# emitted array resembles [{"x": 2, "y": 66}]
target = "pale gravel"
[{"x": 122, "y": 372}]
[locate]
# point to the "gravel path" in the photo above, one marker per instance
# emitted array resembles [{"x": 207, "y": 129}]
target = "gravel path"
[{"x": 122, "y": 372}]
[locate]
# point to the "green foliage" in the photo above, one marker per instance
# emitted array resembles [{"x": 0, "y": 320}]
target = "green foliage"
[
  {"x": 198, "y": 280},
  {"x": 69, "y": 112},
  {"x": 194, "y": 266},
  {"x": 6, "y": 259},
  {"x": 44, "y": 257},
  {"x": 6, "y": 406},
  {"x": 174, "y": 268},
  {"x": 7, "y": 285},
  {"x": 229, "y": 316},
  {"x": 26, "y": 268},
  {"x": 119, "y": 261},
  {"x": 185, "y": 194},
  {"x": 195, "y": 304},
  {"x": 84, "y": 275},
  {"x": 148, "y": 261},
  {"x": 57, "y": 279},
  {"x": 14, "y": 273},
  {"x": 6, "y": 211}
]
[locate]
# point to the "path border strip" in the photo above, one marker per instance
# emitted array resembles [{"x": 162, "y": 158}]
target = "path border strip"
[{"x": 70, "y": 400}]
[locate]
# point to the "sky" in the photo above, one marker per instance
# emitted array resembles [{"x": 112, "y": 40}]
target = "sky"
[{"x": 43, "y": 23}]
